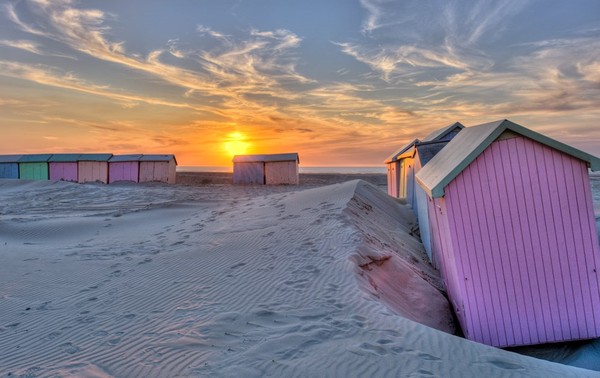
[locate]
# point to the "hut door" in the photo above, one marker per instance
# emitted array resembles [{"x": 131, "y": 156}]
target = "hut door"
[{"x": 402, "y": 180}]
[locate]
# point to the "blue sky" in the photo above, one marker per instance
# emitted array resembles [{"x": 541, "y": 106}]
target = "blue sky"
[{"x": 340, "y": 82}]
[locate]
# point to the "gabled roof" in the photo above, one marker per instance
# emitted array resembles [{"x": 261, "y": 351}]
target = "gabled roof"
[
  {"x": 428, "y": 150},
  {"x": 396, "y": 155},
  {"x": 124, "y": 158},
  {"x": 439, "y": 134},
  {"x": 37, "y": 158},
  {"x": 64, "y": 158},
  {"x": 167, "y": 157},
  {"x": 94, "y": 157},
  {"x": 266, "y": 158},
  {"x": 471, "y": 142},
  {"x": 10, "y": 158}
]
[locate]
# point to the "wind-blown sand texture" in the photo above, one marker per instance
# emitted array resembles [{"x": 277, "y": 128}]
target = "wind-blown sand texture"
[{"x": 158, "y": 280}]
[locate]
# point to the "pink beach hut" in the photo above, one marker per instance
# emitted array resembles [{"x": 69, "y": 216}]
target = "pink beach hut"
[
  {"x": 63, "y": 167},
  {"x": 160, "y": 168},
  {"x": 93, "y": 167},
  {"x": 512, "y": 226},
  {"x": 124, "y": 168}
]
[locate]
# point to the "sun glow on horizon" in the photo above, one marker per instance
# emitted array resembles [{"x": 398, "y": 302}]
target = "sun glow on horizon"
[{"x": 236, "y": 144}]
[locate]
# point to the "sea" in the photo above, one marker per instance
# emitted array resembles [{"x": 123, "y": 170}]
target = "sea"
[{"x": 303, "y": 169}]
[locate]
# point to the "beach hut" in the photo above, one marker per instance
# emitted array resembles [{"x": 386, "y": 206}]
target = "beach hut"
[
  {"x": 400, "y": 172},
  {"x": 272, "y": 169},
  {"x": 124, "y": 168},
  {"x": 513, "y": 228},
  {"x": 160, "y": 168},
  {"x": 34, "y": 167},
  {"x": 63, "y": 167},
  {"x": 93, "y": 167},
  {"x": 9, "y": 166},
  {"x": 425, "y": 151}
]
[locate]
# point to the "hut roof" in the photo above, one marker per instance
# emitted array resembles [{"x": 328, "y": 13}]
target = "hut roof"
[
  {"x": 94, "y": 157},
  {"x": 64, "y": 158},
  {"x": 37, "y": 158},
  {"x": 167, "y": 157},
  {"x": 10, "y": 158},
  {"x": 124, "y": 158},
  {"x": 428, "y": 150},
  {"x": 396, "y": 155},
  {"x": 439, "y": 134},
  {"x": 266, "y": 158},
  {"x": 471, "y": 142}
]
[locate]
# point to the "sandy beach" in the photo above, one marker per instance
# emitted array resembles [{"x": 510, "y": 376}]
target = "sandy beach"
[{"x": 203, "y": 278}]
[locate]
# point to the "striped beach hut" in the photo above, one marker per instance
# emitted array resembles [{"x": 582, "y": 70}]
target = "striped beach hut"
[
  {"x": 93, "y": 167},
  {"x": 34, "y": 167},
  {"x": 124, "y": 168},
  {"x": 9, "y": 166},
  {"x": 160, "y": 168},
  {"x": 513, "y": 228},
  {"x": 267, "y": 169},
  {"x": 425, "y": 151},
  {"x": 400, "y": 172},
  {"x": 63, "y": 167}
]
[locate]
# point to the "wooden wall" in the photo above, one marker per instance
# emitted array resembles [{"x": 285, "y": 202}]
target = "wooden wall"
[
  {"x": 66, "y": 171},
  {"x": 281, "y": 173},
  {"x": 159, "y": 171},
  {"x": 9, "y": 170},
  {"x": 123, "y": 171},
  {"x": 249, "y": 173},
  {"x": 393, "y": 178},
  {"x": 517, "y": 244},
  {"x": 33, "y": 171},
  {"x": 93, "y": 171}
]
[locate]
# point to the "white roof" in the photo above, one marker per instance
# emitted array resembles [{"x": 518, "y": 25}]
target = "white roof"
[
  {"x": 265, "y": 158},
  {"x": 470, "y": 143},
  {"x": 442, "y": 132}
]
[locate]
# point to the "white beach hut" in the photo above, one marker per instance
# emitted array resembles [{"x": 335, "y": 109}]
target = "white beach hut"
[{"x": 271, "y": 169}]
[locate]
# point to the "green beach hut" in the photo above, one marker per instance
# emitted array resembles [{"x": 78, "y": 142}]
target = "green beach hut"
[{"x": 34, "y": 167}]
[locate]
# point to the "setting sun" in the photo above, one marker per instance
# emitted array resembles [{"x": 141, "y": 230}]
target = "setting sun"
[{"x": 236, "y": 144}]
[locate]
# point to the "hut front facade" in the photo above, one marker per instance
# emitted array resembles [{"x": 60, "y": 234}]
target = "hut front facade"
[
  {"x": 93, "y": 168},
  {"x": 9, "y": 166},
  {"x": 400, "y": 172},
  {"x": 124, "y": 168},
  {"x": 272, "y": 169},
  {"x": 34, "y": 167},
  {"x": 159, "y": 168},
  {"x": 63, "y": 167},
  {"x": 513, "y": 229}
]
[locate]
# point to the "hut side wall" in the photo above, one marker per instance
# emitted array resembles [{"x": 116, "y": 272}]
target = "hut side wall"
[
  {"x": 161, "y": 171},
  {"x": 172, "y": 176},
  {"x": 249, "y": 173},
  {"x": 522, "y": 217},
  {"x": 33, "y": 171},
  {"x": 409, "y": 180},
  {"x": 444, "y": 259},
  {"x": 281, "y": 173},
  {"x": 393, "y": 178},
  {"x": 123, "y": 171},
  {"x": 92, "y": 171},
  {"x": 63, "y": 171},
  {"x": 9, "y": 170}
]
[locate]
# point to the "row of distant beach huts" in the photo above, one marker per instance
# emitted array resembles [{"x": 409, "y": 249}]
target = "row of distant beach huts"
[
  {"x": 506, "y": 215},
  {"x": 104, "y": 167}
]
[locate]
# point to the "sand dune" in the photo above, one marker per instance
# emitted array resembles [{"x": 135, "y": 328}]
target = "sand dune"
[{"x": 157, "y": 280}]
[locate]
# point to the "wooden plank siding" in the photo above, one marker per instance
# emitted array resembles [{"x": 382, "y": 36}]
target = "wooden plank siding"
[
  {"x": 33, "y": 171},
  {"x": 520, "y": 250},
  {"x": 93, "y": 171},
  {"x": 9, "y": 170},
  {"x": 249, "y": 173},
  {"x": 281, "y": 173},
  {"x": 123, "y": 171},
  {"x": 63, "y": 171}
]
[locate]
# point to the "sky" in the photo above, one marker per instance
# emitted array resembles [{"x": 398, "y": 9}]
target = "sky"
[{"x": 341, "y": 82}]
